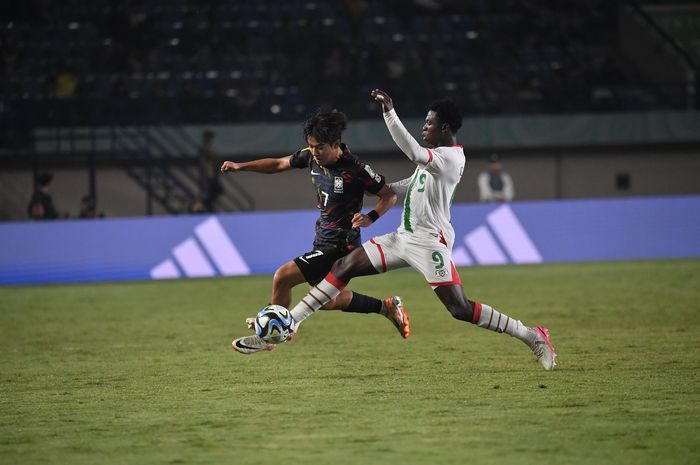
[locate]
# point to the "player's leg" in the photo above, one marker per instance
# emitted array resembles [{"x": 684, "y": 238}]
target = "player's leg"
[
  {"x": 315, "y": 265},
  {"x": 353, "y": 302},
  {"x": 483, "y": 315},
  {"x": 378, "y": 250},
  {"x": 391, "y": 308},
  {"x": 284, "y": 280},
  {"x": 343, "y": 302},
  {"x": 360, "y": 262},
  {"x": 455, "y": 301},
  {"x": 290, "y": 275},
  {"x": 434, "y": 260},
  {"x": 331, "y": 286}
]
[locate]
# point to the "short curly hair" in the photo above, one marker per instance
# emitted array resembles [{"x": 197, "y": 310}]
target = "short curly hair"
[
  {"x": 448, "y": 112},
  {"x": 325, "y": 125}
]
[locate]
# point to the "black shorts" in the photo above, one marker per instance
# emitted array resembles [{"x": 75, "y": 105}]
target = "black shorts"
[{"x": 316, "y": 264}]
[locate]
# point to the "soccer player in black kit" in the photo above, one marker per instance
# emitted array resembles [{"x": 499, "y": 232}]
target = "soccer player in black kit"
[{"x": 339, "y": 181}]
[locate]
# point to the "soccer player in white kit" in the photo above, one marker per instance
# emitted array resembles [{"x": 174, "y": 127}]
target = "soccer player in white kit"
[{"x": 425, "y": 236}]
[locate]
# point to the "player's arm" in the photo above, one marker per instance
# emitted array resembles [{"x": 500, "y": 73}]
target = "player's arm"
[
  {"x": 262, "y": 165},
  {"x": 400, "y": 187},
  {"x": 408, "y": 145},
  {"x": 387, "y": 199}
]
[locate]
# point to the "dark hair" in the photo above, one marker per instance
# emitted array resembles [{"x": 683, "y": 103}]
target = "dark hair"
[
  {"x": 325, "y": 125},
  {"x": 447, "y": 112},
  {"x": 44, "y": 179}
]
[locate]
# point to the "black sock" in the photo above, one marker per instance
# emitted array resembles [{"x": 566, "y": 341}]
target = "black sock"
[{"x": 363, "y": 304}]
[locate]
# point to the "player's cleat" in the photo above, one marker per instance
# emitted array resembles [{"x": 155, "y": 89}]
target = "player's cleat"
[
  {"x": 393, "y": 310},
  {"x": 251, "y": 344},
  {"x": 543, "y": 348},
  {"x": 293, "y": 334},
  {"x": 250, "y": 323}
]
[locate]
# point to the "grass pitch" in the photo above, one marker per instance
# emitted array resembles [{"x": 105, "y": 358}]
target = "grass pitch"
[{"x": 141, "y": 373}]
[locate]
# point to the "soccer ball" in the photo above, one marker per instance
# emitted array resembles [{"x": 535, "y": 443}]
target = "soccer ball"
[{"x": 273, "y": 324}]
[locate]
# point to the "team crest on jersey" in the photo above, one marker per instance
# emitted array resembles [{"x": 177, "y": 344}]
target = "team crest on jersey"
[
  {"x": 338, "y": 185},
  {"x": 371, "y": 172},
  {"x": 441, "y": 273}
]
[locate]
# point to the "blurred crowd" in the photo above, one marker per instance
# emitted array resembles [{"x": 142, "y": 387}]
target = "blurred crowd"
[
  {"x": 217, "y": 60},
  {"x": 41, "y": 205}
]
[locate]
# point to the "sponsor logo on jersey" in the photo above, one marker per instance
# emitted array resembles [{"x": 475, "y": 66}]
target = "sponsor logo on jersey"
[
  {"x": 371, "y": 172},
  {"x": 338, "y": 185}
]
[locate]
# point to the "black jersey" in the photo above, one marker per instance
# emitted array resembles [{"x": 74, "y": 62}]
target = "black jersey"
[{"x": 340, "y": 189}]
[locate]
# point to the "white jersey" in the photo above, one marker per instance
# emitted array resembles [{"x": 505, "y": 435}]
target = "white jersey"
[{"x": 431, "y": 189}]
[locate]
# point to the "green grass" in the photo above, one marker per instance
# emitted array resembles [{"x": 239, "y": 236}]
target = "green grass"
[{"x": 140, "y": 373}]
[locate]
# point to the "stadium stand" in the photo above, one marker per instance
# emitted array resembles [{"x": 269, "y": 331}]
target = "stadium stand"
[
  {"x": 221, "y": 61},
  {"x": 123, "y": 84}
]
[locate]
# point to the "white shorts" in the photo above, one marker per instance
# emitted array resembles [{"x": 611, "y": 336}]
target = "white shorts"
[{"x": 429, "y": 255}]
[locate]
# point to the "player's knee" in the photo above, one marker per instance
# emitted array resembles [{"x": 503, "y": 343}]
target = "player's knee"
[
  {"x": 278, "y": 277},
  {"x": 459, "y": 312},
  {"x": 281, "y": 279}
]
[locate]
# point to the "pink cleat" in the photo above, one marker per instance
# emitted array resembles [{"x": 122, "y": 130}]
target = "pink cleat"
[{"x": 543, "y": 348}]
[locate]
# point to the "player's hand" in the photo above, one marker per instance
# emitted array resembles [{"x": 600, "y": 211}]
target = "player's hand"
[
  {"x": 230, "y": 166},
  {"x": 383, "y": 99},
  {"x": 361, "y": 221}
]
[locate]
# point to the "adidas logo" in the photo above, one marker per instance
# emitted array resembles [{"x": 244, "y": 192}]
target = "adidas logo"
[
  {"x": 500, "y": 241},
  {"x": 209, "y": 253}
]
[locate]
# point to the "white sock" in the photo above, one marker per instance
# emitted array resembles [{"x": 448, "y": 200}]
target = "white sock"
[
  {"x": 492, "y": 319},
  {"x": 318, "y": 296}
]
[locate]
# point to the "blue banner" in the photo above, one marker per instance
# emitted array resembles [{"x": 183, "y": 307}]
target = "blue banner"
[{"x": 254, "y": 243}]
